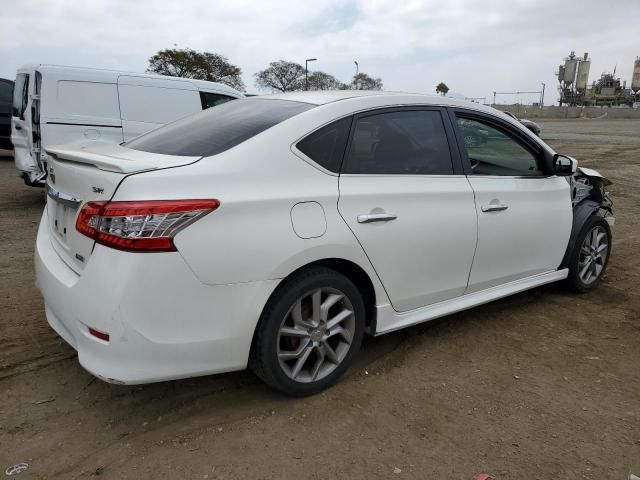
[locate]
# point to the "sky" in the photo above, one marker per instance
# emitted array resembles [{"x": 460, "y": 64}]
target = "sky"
[{"x": 475, "y": 47}]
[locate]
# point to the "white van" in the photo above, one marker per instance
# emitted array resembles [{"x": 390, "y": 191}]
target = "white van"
[{"x": 62, "y": 105}]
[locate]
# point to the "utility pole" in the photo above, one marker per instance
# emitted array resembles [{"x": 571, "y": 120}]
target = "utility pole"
[
  {"x": 306, "y": 70},
  {"x": 356, "y": 76},
  {"x": 542, "y": 96}
]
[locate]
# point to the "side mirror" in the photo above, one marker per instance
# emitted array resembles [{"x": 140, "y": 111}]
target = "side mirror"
[{"x": 564, "y": 166}]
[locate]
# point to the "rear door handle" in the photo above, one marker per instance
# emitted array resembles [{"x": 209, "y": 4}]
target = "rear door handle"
[
  {"x": 494, "y": 207},
  {"x": 376, "y": 217}
]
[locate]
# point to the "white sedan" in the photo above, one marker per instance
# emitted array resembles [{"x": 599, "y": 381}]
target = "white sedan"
[{"x": 276, "y": 231}]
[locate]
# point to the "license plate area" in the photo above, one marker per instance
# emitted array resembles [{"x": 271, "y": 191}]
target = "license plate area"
[
  {"x": 61, "y": 219},
  {"x": 62, "y": 209}
]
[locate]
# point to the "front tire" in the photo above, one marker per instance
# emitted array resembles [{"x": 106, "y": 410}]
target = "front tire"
[
  {"x": 309, "y": 332},
  {"x": 590, "y": 256}
]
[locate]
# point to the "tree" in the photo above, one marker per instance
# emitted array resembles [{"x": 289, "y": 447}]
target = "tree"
[
  {"x": 362, "y": 81},
  {"x": 442, "y": 89},
  {"x": 281, "y": 75},
  {"x": 188, "y": 63},
  {"x": 324, "y": 81}
]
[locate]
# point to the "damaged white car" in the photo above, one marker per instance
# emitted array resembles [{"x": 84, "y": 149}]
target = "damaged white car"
[{"x": 275, "y": 232}]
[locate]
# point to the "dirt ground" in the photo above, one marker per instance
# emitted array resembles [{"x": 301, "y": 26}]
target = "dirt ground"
[{"x": 542, "y": 385}]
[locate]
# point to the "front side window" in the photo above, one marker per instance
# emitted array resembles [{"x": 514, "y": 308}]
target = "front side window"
[
  {"x": 215, "y": 130},
  {"x": 326, "y": 145},
  {"x": 20, "y": 95},
  {"x": 400, "y": 143},
  {"x": 213, "y": 99},
  {"x": 493, "y": 152}
]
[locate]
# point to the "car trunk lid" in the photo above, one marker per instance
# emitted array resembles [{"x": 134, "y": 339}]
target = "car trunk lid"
[{"x": 79, "y": 174}]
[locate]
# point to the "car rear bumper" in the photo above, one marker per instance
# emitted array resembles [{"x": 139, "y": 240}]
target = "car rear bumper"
[{"x": 162, "y": 321}]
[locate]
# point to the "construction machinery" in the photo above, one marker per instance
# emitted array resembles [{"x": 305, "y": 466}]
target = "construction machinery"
[{"x": 608, "y": 90}]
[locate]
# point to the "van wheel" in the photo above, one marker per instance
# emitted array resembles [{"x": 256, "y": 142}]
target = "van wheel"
[
  {"x": 590, "y": 255},
  {"x": 309, "y": 332}
]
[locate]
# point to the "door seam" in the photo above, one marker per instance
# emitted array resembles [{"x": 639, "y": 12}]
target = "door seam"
[
  {"x": 362, "y": 248},
  {"x": 475, "y": 250}
]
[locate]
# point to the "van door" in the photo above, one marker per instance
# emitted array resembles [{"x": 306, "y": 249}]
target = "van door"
[
  {"x": 77, "y": 111},
  {"x": 148, "y": 103},
  {"x": 21, "y": 129}
]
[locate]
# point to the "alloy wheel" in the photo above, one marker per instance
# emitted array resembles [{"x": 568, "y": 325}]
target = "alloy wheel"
[
  {"x": 316, "y": 334},
  {"x": 593, "y": 255}
]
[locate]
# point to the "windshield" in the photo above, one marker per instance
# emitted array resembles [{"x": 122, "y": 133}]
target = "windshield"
[{"x": 217, "y": 129}]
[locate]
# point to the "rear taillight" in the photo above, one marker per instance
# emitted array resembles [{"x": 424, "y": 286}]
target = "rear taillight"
[{"x": 140, "y": 226}]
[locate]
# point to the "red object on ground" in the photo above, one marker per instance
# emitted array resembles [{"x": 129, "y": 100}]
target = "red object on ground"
[{"x": 482, "y": 476}]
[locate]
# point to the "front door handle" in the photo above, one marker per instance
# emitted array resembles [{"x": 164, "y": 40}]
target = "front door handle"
[
  {"x": 376, "y": 217},
  {"x": 494, "y": 207}
]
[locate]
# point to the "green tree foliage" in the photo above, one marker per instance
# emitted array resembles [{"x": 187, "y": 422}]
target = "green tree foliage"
[
  {"x": 442, "y": 89},
  {"x": 188, "y": 63}
]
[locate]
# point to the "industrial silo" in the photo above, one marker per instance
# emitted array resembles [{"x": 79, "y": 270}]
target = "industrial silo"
[
  {"x": 582, "y": 79},
  {"x": 570, "y": 66},
  {"x": 561, "y": 73},
  {"x": 635, "y": 79}
]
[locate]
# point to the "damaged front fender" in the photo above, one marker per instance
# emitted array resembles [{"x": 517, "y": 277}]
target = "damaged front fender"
[{"x": 588, "y": 197}]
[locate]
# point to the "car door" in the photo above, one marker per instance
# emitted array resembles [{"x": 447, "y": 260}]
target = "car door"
[
  {"x": 524, "y": 211},
  {"x": 403, "y": 194}
]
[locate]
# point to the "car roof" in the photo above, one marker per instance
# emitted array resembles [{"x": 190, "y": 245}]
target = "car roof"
[{"x": 324, "y": 97}]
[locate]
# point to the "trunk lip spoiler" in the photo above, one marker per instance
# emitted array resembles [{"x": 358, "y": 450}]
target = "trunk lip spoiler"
[{"x": 62, "y": 197}]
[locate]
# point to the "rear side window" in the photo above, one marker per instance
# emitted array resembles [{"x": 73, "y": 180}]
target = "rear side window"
[
  {"x": 400, "y": 143},
  {"x": 217, "y": 129},
  {"x": 20, "y": 95},
  {"x": 209, "y": 100},
  {"x": 326, "y": 145}
]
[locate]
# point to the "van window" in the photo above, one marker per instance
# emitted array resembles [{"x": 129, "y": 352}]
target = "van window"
[
  {"x": 20, "y": 95},
  {"x": 217, "y": 129},
  {"x": 157, "y": 105},
  {"x": 209, "y": 99},
  {"x": 88, "y": 99}
]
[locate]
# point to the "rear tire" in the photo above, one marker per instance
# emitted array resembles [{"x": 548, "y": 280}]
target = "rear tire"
[
  {"x": 590, "y": 255},
  {"x": 309, "y": 332}
]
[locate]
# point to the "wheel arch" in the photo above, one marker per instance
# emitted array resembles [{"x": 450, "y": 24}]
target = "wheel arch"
[
  {"x": 581, "y": 213},
  {"x": 349, "y": 269}
]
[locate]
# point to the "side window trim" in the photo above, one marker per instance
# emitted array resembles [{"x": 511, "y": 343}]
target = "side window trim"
[
  {"x": 496, "y": 122},
  {"x": 455, "y": 155}
]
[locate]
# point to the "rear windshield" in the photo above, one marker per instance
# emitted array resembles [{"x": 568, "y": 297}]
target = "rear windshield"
[{"x": 217, "y": 129}]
